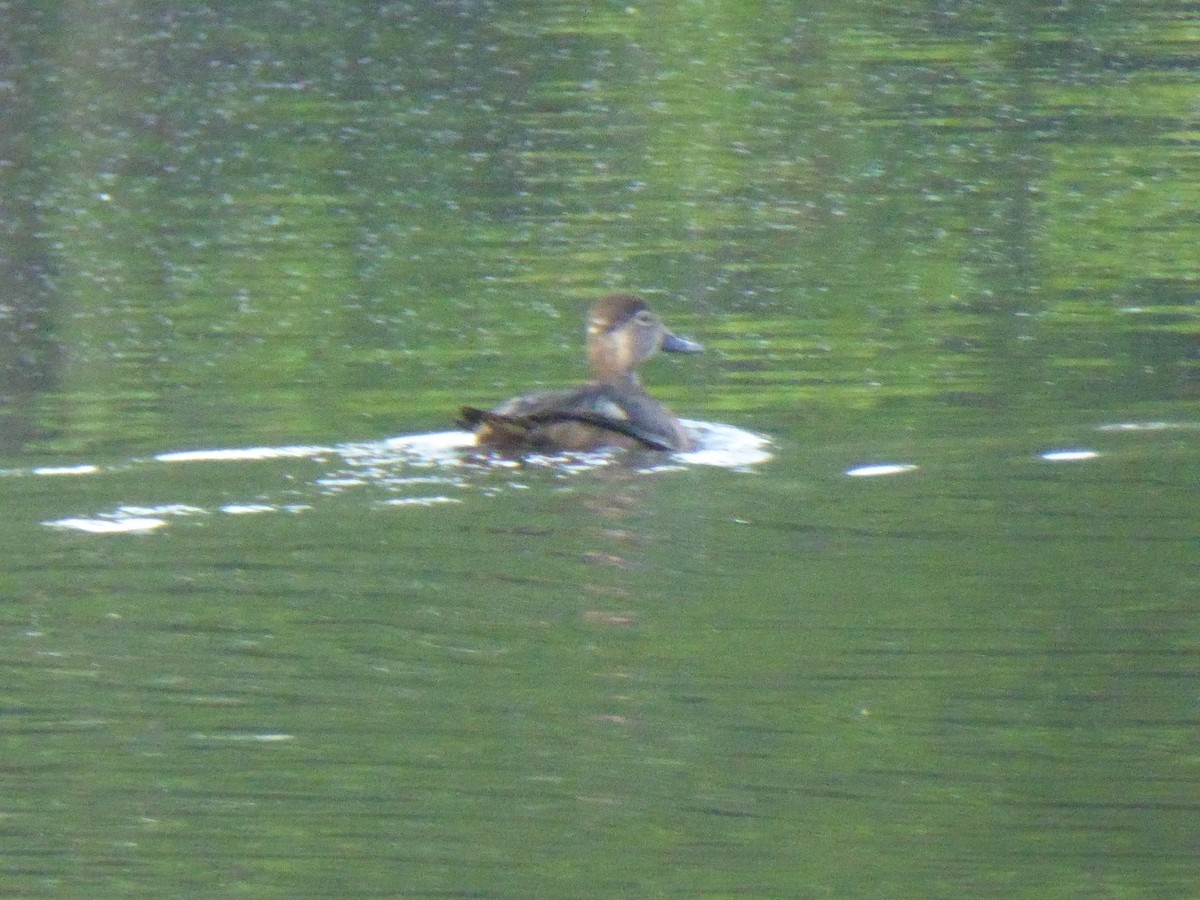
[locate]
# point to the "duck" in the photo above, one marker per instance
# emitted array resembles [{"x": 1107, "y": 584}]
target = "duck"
[{"x": 610, "y": 410}]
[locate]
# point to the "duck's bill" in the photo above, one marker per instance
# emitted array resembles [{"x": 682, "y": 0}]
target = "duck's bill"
[{"x": 673, "y": 343}]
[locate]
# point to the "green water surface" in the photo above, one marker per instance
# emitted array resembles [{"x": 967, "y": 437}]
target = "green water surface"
[{"x": 953, "y": 237}]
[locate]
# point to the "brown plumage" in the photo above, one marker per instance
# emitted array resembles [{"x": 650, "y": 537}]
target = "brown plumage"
[{"x": 611, "y": 410}]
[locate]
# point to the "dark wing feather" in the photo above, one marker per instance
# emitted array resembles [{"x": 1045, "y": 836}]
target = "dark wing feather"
[{"x": 517, "y": 426}]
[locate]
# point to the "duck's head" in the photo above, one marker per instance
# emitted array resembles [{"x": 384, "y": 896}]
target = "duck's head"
[{"x": 622, "y": 333}]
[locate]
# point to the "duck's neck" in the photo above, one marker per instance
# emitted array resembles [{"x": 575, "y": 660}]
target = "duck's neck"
[{"x": 610, "y": 360}]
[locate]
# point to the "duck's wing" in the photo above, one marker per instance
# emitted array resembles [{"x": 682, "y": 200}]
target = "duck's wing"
[{"x": 580, "y": 419}]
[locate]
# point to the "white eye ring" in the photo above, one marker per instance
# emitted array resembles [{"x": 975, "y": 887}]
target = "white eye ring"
[{"x": 645, "y": 317}]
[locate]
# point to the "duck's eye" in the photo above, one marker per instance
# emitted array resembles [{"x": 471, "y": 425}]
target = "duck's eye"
[{"x": 645, "y": 317}]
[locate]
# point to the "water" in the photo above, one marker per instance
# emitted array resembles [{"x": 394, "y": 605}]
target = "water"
[
  {"x": 917, "y": 619},
  {"x": 415, "y": 672}
]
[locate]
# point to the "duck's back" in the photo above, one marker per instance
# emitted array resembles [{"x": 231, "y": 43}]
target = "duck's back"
[{"x": 597, "y": 414}]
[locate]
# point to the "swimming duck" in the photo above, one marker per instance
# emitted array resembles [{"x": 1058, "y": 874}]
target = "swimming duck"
[{"x": 611, "y": 410}]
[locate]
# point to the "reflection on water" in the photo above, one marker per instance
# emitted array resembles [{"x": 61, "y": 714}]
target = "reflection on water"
[{"x": 386, "y": 464}]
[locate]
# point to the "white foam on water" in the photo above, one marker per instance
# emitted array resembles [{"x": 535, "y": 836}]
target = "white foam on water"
[
  {"x": 82, "y": 469},
  {"x": 244, "y": 453},
  {"x": 98, "y": 525},
  {"x": 877, "y": 470},
  {"x": 1068, "y": 455},
  {"x": 389, "y": 464}
]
